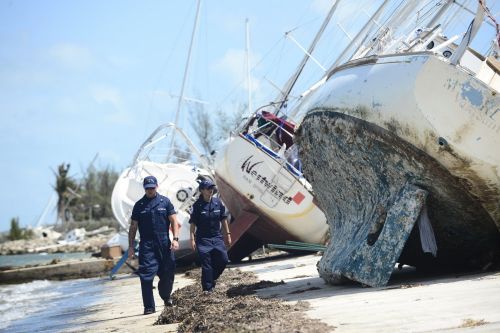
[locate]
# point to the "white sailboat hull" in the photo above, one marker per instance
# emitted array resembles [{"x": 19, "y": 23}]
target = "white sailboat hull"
[
  {"x": 251, "y": 181},
  {"x": 175, "y": 181},
  {"x": 421, "y": 99}
]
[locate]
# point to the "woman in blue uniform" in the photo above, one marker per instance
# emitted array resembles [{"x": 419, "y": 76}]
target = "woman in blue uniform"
[
  {"x": 207, "y": 216},
  {"x": 153, "y": 214}
]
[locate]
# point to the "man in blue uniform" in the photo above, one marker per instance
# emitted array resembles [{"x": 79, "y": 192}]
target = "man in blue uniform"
[
  {"x": 153, "y": 214},
  {"x": 206, "y": 218}
]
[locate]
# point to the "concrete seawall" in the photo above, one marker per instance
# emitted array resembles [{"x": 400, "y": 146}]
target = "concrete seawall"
[{"x": 63, "y": 271}]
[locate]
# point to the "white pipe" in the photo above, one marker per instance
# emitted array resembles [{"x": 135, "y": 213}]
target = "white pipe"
[
  {"x": 469, "y": 35},
  {"x": 289, "y": 35},
  {"x": 175, "y": 129}
]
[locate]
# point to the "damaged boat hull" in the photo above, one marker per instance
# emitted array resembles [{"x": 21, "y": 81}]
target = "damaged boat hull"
[
  {"x": 269, "y": 204},
  {"x": 382, "y": 128}
]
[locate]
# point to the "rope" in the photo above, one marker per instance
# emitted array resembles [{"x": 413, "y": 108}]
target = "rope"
[{"x": 492, "y": 18}]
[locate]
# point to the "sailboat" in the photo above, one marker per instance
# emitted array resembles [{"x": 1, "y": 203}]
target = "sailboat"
[
  {"x": 169, "y": 155},
  {"x": 401, "y": 144},
  {"x": 260, "y": 179}
]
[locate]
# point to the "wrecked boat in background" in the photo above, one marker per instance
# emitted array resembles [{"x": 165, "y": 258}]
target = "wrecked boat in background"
[
  {"x": 265, "y": 191},
  {"x": 178, "y": 169},
  {"x": 401, "y": 145},
  {"x": 169, "y": 155},
  {"x": 259, "y": 177}
]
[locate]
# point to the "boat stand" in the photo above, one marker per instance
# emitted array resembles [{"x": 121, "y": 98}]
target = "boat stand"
[{"x": 123, "y": 260}]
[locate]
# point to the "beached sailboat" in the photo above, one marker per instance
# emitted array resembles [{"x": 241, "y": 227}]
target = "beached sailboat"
[
  {"x": 169, "y": 155},
  {"x": 259, "y": 177},
  {"x": 401, "y": 145},
  {"x": 178, "y": 172}
]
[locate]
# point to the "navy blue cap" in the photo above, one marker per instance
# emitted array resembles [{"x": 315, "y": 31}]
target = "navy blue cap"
[
  {"x": 150, "y": 182},
  {"x": 204, "y": 184}
]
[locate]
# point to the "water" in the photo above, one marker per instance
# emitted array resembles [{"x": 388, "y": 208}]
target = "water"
[
  {"x": 19, "y": 260},
  {"x": 47, "y": 306}
]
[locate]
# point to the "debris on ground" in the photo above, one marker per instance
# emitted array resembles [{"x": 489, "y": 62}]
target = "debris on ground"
[
  {"x": 233, "y": 307},
  {"x": 466, "y": 323}
]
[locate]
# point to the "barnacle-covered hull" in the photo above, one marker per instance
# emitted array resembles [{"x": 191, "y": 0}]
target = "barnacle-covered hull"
[{"x": 402, "y": 152}]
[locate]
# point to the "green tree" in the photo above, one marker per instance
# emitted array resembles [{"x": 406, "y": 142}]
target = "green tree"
[
  {"x": 15, "y": 232},
  {"x": 96, "y": 188},
  {"x": 66, "y": 189},
  {"x": 181, "y": 153},
  {"x": 203, "y": 126},
  {"x": 228, "y": 121}
]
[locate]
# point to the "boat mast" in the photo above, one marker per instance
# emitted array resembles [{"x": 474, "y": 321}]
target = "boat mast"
[
  {"x": 293, "y": 79},
  {"x": 186, "y": 72},
  {"x": 249, "y": 87},
  {"x": 360, "y": 34},
  {"x": 440, "y": 13}
]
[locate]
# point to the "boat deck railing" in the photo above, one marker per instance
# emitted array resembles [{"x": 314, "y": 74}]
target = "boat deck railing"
[{"x": 275, "y": 141}]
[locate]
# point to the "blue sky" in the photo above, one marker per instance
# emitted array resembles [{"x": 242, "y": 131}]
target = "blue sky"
[
  {"x": 86, "y": 77},
  {"x": 80, "y": 78}
]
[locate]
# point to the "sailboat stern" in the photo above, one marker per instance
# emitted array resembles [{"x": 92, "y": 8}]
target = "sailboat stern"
[{"x": 253, "y": 180}]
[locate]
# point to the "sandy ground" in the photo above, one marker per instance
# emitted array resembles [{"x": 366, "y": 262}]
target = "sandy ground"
[
  {"x": 121, "y": 308},
  {"x": 410, "y": 302}
]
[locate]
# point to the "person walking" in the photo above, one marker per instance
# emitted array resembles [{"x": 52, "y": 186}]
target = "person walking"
[
  {"x": 207, "y": 216},
  {"x": 153, "y": 214}
]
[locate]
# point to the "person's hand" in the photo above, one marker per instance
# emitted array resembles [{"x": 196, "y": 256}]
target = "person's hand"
[
  {"x": 131, "y": 252},
  {"x": 174, "y": 245},
  {"x": 228, "y": 238},
  {"x": 193, "y": 244}
]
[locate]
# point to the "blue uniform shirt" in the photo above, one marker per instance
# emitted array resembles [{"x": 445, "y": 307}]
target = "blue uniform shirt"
[
  {"x": 207, "y": 217},
  {"x": 152, "y": 215}
]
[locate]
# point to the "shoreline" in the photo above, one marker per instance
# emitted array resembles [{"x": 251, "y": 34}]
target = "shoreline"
[
  {"x": 410, "y": 302},
  {"x": 65, "y": 270},
  {"x": 91, "y": 244},
  {"x": 121, "y": 308}
]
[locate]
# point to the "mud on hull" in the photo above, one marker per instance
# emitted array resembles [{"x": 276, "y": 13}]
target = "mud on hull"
[
  {"x": 251, "y": 228},
  {"x": 372, "y": 186}
]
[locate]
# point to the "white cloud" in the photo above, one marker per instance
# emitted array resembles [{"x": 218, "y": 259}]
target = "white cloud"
[
  {"x": 69, "y": 105},
  {"x": 121, "y": 62},
  {"x": 233, "y": 65},
  {"x": 119, "y": 117},
  {"x": 72, "y": 56},
  {"x": 110, "y": 96},
  {"x": 103, "y": 94}
]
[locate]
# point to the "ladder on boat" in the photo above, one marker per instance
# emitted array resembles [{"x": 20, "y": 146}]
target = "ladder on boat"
[{"x": 283, "y": 182}]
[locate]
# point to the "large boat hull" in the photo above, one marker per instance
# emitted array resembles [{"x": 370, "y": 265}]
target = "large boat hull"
[
  {"x": 252, "y": 182},
  {"x": 403, "y": 131}
]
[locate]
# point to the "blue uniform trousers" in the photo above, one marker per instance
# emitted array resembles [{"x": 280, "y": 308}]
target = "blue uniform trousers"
[
  {"x": 156, "y": 259},
  {"x": 213, "y": 257}
]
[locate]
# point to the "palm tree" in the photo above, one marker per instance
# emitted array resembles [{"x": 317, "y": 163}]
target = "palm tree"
[{"x": 65, "y": 187}]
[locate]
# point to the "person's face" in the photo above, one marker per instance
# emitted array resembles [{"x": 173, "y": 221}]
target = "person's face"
[
  {"x": 207, "y": 192},
  {"x": 150, "y": 192}
]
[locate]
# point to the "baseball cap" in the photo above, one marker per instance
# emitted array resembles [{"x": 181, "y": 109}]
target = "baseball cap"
[
  {"x": 150, "y": 182},
  {"x": 204, "y": 184}
]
